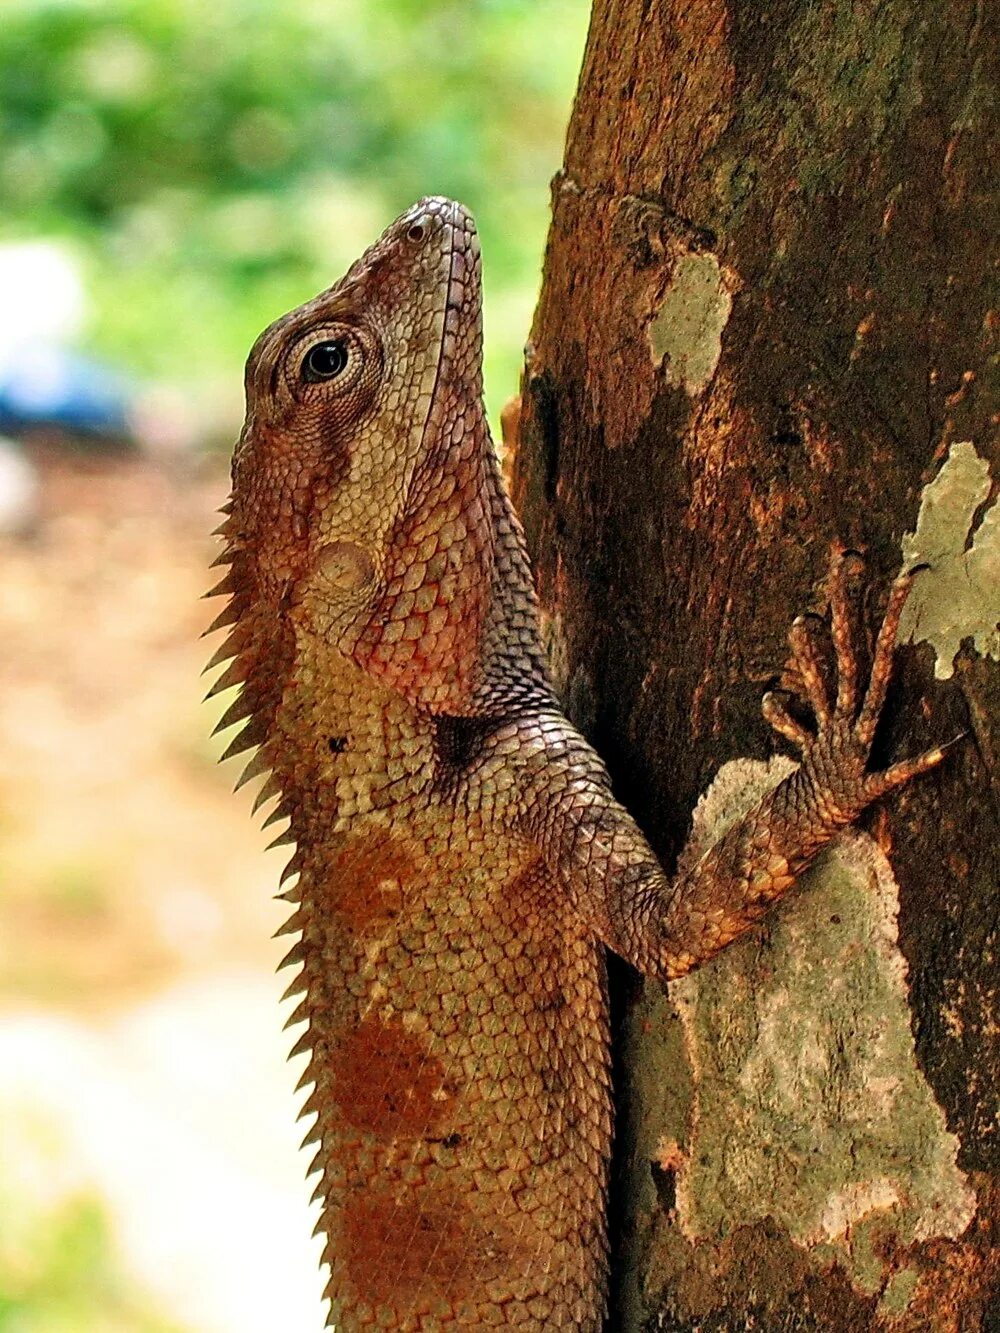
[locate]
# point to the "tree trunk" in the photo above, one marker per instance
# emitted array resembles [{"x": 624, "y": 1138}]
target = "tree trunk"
[{"x": 769, "y": 323}]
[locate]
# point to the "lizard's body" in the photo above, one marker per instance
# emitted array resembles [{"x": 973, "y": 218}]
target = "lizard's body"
[
  {"x": 453, "y": 1004},
  {"x": 461, "y": 861}
]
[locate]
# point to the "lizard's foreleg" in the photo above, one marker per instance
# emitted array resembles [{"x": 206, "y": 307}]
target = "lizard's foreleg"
[{"x": 669, "y": 928}]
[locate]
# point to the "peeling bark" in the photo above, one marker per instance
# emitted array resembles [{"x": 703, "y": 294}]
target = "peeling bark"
[{"x": 769, "y": 320}]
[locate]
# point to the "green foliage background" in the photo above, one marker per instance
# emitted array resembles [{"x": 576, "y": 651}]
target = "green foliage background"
[
  {"x": 216, "y": 163},
  {"x": 58, "y": 1275}
]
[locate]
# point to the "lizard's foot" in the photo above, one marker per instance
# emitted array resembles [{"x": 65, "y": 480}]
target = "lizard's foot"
[{"x": 836, "y": 755}]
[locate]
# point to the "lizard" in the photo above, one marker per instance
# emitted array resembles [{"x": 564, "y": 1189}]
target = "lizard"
[{"x": 460, "y": 863}]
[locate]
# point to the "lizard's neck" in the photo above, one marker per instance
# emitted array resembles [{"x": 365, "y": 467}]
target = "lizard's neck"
[
  {"x": 500, "y": 660},
  {"x": 454, "y": 628}
]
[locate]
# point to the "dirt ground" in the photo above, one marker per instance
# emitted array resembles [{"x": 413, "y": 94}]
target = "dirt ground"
[{"x": 141, "y": 1053}]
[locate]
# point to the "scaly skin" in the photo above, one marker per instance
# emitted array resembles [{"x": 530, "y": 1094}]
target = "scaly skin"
[{"x": 461, "y": 863}]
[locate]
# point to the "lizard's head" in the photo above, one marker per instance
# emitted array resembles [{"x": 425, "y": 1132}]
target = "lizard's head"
[
  {"x": 361, "y": 446},
  {"x": 340, "y": 391}
]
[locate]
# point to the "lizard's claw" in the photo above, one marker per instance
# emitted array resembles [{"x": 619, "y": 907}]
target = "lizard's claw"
[{"x": 837, "y": 753}]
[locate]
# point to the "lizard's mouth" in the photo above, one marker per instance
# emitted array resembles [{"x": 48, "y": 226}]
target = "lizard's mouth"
[{"x": 464, "y": 277}]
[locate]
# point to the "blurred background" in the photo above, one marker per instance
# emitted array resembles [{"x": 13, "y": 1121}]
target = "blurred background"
[{"x": 174, "y": 174}]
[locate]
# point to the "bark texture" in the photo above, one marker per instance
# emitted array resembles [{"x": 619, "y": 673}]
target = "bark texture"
[{"x": 769, "y": 321}]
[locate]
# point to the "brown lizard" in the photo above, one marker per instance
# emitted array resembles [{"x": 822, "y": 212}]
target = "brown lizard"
[{"x": 461, "y": 863}]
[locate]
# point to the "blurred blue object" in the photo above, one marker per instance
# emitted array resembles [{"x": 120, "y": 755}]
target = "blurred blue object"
[{"x": 47, "y": 385}]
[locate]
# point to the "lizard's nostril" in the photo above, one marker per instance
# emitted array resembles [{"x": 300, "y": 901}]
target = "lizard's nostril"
[{"x": 416, "y": 232}]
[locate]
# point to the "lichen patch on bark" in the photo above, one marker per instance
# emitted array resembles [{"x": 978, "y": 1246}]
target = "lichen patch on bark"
[
  {"x": 685, "y": 333},
  {"x": 958, "y": 596},
  {"x": 899, "y": 1292},
  {"x": 809, "y": 1105}
]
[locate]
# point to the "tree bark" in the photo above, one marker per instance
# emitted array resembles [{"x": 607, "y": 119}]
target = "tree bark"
[{"x": 769, "y": 323}]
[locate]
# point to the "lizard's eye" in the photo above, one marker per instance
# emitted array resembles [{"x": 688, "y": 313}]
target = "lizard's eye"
[
  {"x": 335, "y": 364},
  {"x": 325, "y": 361}
]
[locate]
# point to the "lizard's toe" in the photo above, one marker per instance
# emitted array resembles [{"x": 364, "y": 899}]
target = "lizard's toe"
[
  {"x": 777, "y": 716},
  {"x": 877, "y": 784},
  {"x": 807, "y": 662},
  {"x": 845, "y": 565}
]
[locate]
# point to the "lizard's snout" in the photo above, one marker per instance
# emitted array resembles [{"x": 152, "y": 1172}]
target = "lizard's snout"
[{"x": 434, "y": 214}]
